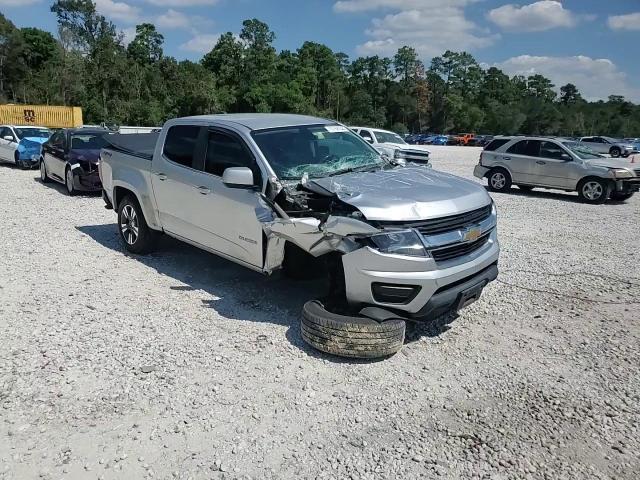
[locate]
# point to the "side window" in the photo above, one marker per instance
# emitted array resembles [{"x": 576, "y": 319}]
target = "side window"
[
  {"x": 533, "y": 148},
  {"x": 366, "y": 135},
  {"x": 58, "y": 140},
  {"x": 224, "y": 151},
  {"x": 180, "y": 144},
  {"x": 518, "y": 148},
  {"x": 587, "y": 139},
  {"x": 4, "y": 132},
  {"x": 551, "y": 150},
  {"x": 496, "y": 144}
]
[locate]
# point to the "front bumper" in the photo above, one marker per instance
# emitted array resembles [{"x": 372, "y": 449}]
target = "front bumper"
[
  {"x": 29, "y": 158},
  {"x": 365, "y": 267},
  {"x": 628, "y": 185},
  {"x": 86, "y": 181}
]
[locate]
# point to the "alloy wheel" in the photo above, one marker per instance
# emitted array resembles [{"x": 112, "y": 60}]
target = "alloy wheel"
[
  {"x": 69, "y": 182},
  {"x": 498, "y": 180},
  {"x": 129, "y": 224},
  {"x": 592, "y": 190}
]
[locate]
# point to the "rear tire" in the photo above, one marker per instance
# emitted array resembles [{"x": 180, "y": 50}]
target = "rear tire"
[
  {"x": 621, "y": 197},
  {"x": 615, "y": 152},
  {"x": 347, "y": 336},
  {"x": 499, "y": 180},
  {"x": 135, "y": 233},
  {"x": 594, "y": 190},
  {"x": 44, "y": 176}
]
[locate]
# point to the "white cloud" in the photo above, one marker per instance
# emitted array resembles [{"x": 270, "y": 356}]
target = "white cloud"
[
  {"x": 118, "y": 10},
  {"x": 430, "y": 26},
  {"x": 200, "y": 43},
  {"x": 173, "y": 19},
  {"x": 535, "y": 17},
  {"x": 596, "y": 78},
  {"x": 182, "y": 3},
  {"x": 630, "y": 21}
]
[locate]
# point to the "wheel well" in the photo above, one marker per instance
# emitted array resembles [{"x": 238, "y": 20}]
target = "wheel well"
[
  {"x": 119, "y": 193},
  {"x": 591, "y": 177},
  {"x": 494, "y": 169}
]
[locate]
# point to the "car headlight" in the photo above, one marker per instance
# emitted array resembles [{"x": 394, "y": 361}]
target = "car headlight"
[
  {"x": 403, "y": 242},
  {"x": 620, "y": 173}
]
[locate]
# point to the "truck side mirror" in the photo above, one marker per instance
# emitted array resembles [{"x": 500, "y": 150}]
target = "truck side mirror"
[{"x": 238, "y": 177}]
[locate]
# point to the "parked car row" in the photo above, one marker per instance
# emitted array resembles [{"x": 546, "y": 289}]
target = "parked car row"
[{"x": 556, "y": 163}]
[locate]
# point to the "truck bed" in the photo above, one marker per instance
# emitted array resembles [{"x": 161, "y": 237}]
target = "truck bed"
[{"x": 140, "y": 145}]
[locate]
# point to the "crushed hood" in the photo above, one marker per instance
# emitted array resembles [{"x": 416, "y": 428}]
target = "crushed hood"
[{"x": 404, "y": 194}]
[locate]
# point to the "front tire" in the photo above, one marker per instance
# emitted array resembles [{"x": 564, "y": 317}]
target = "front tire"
[
  {"x": 621, "y": 197},
  {"x": 615, "y": 152},
  {"x": 68, "y": 182},
  {"x": 19, "y": 163},
  {"x": 347, "y": 336},
  {"x": 499, "y": 180},
  {"x": 44, "y": 177},
  {"x": 594, "y": 190},
  {"x": 135, "y": 233}
]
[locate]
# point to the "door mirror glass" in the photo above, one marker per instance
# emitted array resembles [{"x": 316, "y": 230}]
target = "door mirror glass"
[{"x": 238, "y": 177}]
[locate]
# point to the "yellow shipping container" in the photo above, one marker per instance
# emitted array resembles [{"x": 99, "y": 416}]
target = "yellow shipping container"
[{"x": 41, "y": 115}]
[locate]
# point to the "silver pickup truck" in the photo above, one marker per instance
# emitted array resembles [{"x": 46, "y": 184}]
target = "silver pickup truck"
[{"x": 272, "y": 191}]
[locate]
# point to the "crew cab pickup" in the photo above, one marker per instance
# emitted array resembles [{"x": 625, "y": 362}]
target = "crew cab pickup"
[{"x": 268, "y": 190}]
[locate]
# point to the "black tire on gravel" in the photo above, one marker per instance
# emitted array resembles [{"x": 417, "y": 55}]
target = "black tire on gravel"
[
  {"x": 499, "y": 180},
  {"x": 130, "y": 214},
  {"x": 615, "y": 152},
  {"x": 44, "y": 176},
  {"x": 603, "y": 190},
  {"x": 349, "y": 336}
]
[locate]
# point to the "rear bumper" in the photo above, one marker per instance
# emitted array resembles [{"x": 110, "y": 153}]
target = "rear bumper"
[{"x": 480, "y": 171}]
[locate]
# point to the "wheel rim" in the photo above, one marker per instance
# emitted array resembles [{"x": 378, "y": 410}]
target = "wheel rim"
[
  {"x": 43, "y": 171},
  {"x": 592, "y": 190},
  {"x": 615, "y": 153},
  {"x": 129, "y": 224},
  {"x": 69, "y": 181},
  {"x": 498, "y": 180}
]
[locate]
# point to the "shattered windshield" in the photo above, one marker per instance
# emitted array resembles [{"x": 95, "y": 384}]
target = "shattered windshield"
[
  {"x": 388, "y": 137},
  {"x": 316, "y": 150},
  {"x": 583, "y": 152}
]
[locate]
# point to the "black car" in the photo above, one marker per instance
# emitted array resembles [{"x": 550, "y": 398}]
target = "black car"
[{"x": 71, "y": 156}]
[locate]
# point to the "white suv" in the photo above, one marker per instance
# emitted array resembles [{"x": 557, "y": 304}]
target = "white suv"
[{"x": 556, "y": 163}]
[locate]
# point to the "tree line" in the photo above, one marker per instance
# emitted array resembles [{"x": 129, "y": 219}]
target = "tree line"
[{"x": 87, "y": 64}]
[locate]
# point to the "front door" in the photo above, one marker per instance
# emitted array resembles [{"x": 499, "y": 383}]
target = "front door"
[{"x": 228, "y": 215}]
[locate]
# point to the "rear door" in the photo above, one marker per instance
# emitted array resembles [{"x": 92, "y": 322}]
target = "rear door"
[
  {"x": 5, "y": 144},
  {"x": 176, "y": 178},
  {"x": 520, "y": 158}
]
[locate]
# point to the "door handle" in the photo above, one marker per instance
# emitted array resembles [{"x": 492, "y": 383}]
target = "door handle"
[
  {"x": 506, "y": 158},
  {"x": 203, "y": 190},
  {"x": 161, "y": 176},
  {"x": 540, "y": 162}
]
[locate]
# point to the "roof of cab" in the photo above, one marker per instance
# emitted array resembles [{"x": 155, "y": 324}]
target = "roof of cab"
[{"x": 260, "y": 121}]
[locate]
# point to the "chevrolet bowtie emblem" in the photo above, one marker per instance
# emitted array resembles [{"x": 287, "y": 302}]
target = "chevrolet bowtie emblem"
[{"x": 471, "y": 234}]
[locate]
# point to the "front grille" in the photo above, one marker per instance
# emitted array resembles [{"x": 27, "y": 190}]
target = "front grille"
[
  {"x": 443, "y": 224},
  {"x": 459, "y": 249},
  {"x": 414, "y": 154}
]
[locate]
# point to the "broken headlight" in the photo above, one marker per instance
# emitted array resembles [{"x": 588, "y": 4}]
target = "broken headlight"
[{"x": 403, "y": 242}]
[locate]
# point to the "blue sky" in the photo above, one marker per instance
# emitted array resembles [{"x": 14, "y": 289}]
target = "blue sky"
[{"x": 592, "y": 43}]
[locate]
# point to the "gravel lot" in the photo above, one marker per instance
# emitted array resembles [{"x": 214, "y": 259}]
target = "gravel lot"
[{"x": 183, "y": 365}]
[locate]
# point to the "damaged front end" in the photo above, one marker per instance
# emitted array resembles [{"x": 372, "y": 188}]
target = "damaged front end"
[{"x": 311, "y": 218}]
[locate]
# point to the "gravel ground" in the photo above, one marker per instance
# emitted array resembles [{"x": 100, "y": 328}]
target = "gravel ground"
[{"x": 183, "y": 365}]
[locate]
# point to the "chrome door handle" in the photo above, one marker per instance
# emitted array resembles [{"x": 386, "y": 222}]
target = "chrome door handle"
[
  {"x": 203, "y": 190},
  {"x": 161, "y": 176},
  {"x": 540, "y": 162},
  {"x": 506, "y": 158}
]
